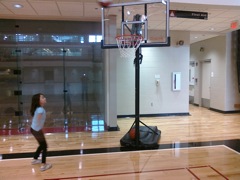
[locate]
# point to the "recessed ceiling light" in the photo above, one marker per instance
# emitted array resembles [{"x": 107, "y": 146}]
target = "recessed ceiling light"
[{"x": 18, "y": 6}]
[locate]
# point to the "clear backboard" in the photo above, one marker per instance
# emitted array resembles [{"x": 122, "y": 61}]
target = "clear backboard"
[{"x": 146, "y": 18}]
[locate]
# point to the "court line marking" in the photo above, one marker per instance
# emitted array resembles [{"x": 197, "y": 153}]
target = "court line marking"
[
  {"x": 188, "y": 169},
  {"x": 218, "y": 172},
  {"x": 142, "y": 171},
  {"x": 127, "y": 173},
  {"x": 231, "y": 149}
]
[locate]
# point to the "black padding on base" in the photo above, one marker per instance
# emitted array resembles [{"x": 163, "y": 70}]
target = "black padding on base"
[{"x": 148, "y": 138}]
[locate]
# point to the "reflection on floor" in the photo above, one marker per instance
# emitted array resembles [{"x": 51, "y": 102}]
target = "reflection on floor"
[
  {"x": 95, "y": 123},
  {"x": 232, "y": 144}
]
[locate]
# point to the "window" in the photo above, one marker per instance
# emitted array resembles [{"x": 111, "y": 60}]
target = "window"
[{"x": 95, "y": 38}]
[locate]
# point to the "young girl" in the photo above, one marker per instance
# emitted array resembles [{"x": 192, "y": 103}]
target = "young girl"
[{"x": 39, "y": 116}]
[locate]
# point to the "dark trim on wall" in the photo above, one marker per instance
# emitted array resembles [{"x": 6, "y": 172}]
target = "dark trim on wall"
[
  {"x": 155, "y": 115},
  {"x": 113, "y": 128},
  {"x": 220, "y": 111},
  {"x": 224, "y": 112}
]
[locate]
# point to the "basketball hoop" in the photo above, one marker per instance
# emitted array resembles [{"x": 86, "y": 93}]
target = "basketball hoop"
[{"x": 128, "y": 44}]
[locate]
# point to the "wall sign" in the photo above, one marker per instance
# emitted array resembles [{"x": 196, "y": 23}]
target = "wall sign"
[{"x": 188, "y": 14}]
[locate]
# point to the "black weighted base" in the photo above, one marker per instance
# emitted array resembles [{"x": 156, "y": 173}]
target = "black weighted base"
[{"x": 148, "y": 138}]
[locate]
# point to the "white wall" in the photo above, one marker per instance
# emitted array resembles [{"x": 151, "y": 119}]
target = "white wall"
[
  {"x": 223, "y": 69},
  {"x": 214, "y": 50},
  {"x": 110, "y": 88},
  {"x": 232, "y": 93},
  {"x": 156, "y": 61}
]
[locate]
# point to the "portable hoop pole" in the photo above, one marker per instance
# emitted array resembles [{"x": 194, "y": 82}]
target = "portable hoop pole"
[{"x": 137, "y": 93}]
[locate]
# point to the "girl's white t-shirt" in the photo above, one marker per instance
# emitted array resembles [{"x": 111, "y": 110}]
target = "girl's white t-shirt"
[{"x": 38, "y": 124}]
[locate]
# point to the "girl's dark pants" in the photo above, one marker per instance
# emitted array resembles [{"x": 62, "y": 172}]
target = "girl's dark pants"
[{"x": 42, "y": 145}]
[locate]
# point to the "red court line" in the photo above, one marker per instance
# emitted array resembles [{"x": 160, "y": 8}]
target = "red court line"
[
  {"x": 203, "y": 167},
  {"x": 218, "y": 172},
  {"x": 136, "y": 172},
  {"x": 189, "y": 170},
  {"x": 193, "y": 167}
]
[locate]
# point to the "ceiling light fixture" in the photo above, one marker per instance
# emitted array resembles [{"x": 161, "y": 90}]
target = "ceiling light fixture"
[{"x": 18, "y": 6}]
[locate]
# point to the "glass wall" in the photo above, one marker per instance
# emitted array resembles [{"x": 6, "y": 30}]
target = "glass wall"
[{"x": 64, "y": 64}]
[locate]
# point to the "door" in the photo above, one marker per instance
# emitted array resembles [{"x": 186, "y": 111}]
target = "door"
[{"x": 206, "y": 83}]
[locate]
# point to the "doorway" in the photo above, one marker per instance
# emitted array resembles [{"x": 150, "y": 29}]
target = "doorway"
[{"x": 205, "y": 83}]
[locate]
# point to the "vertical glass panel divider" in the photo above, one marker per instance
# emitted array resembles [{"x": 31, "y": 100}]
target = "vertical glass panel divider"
[
  {"x": 65, "y": 91},
  {"x": 19, "y": 112}
]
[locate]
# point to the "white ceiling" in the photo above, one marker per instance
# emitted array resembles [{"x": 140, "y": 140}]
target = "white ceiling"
[{"x": 219, "y": 16}]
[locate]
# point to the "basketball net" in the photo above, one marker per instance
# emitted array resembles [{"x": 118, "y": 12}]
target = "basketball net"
[{"x": 128, "y": 44}]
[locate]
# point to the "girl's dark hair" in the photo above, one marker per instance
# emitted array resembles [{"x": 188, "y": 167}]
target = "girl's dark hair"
[{"x": 35, "y": 103}]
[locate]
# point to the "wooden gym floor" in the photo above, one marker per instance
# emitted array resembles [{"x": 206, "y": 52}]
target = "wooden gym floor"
[{"x": 204, "y": 145}]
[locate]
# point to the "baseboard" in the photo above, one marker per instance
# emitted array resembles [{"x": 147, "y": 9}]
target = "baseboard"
[
  {"x": 113, "y": 128},
  {"x": 155, "y": 115},
  {"x": 224, "y": 112}
]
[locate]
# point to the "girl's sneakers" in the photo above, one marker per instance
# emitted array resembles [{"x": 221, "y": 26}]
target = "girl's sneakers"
[
  {"x": 36, "y": 161},
  {"x": 45, "y": 167}
]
